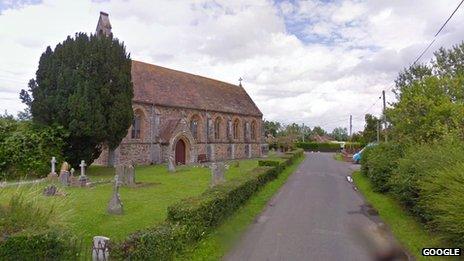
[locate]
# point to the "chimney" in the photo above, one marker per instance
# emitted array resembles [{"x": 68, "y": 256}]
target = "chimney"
[{"x": 103, "y": 26}]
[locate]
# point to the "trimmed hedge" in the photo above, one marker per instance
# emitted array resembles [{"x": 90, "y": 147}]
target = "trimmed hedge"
[
  {"x": 190, "y": 219},
  {"x": 269, "y": 163},
  {"x": 47, "y": 245},
  {"x": 316, "y": 146}
]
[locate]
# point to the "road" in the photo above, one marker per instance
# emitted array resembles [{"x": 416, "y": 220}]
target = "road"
[{"x": 316, "y": 215}]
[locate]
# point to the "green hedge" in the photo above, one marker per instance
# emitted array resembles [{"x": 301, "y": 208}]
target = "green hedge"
[
  {"x": 190, "y": 219},
  {"x": 269, "y": 163},
  {"x": 48, "y": 245},
  {"x": 315, "y": 146}
]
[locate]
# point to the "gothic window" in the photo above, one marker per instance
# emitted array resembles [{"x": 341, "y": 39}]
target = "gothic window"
[
  {"x": 245, "y": 130},
  {"x": 217, "y": 128},
  {"x": 253, "y": 130},
  {"x": 136, "y": 126},
  {"x": 235, "y": 129},
  {"x": 194, "y": 128}
]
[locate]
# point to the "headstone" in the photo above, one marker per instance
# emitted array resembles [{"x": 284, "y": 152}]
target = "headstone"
[
  {"x": 115, "y": 204},
  {"x": 100, "y": 248},
  {"x": 50, "y": 190},
  {"x": 171, "y": 163},
  {"x": 126, "y": 174},
  {"x": 53, "y": 175},
  {"x": 217, "y": 173},
  {"x": 64, "y": 174},
  {"x": 83, "y": 179}
]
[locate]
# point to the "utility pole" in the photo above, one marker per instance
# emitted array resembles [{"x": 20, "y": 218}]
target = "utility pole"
[
  {"x": 384, "y": 115},
  {"x": 378, "y": 131},
  {"x": 351, "y": 125}
]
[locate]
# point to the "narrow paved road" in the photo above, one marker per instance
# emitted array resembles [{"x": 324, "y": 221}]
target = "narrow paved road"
[{"x": 314, "y": 216}]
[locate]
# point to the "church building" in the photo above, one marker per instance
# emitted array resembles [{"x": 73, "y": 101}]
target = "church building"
[{"x": 185, "y": 118}]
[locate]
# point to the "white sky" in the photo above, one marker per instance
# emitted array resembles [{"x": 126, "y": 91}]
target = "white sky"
[{"x": 312, "y": 62}]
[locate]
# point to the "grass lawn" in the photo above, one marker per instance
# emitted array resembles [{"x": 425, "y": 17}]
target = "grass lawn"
[
  {"x": 85, "y": 208},
  {"x": 411, "y": 234},
  {"x": 222, "y": 239},
  {"x": 338, "y": 156}
]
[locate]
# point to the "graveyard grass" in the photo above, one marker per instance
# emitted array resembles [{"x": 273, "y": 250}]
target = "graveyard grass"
[
  {"x": 144, "y": 206},
  {"x": 222, "y": 239}
]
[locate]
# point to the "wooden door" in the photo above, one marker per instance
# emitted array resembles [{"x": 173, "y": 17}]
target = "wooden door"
[{"x": 180, "y": 152}]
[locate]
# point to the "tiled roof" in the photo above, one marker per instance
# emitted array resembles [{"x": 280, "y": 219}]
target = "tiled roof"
[{"x": 163, "y": 86}]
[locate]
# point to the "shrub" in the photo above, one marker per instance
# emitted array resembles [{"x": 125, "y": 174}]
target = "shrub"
[
  {"x": 270, "y": 163},
  {"x": 27, "y": 149},
  {"x": 188, "y": 220},
  {"x": 440, "y": 195},
  {"x": 315, "y": 146},
  {"x": 378, "y": 163},
  {"x": 419, "y": 162}
]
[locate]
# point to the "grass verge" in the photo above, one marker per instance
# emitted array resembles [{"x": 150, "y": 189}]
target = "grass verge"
[
  {"x": 338, "y": 156},
  {"x": 408, "y": 231},
  {"x": 222, "y": 239}
]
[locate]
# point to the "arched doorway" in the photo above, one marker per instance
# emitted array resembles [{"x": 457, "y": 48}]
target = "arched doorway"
[{"x": 180, "y": 152}]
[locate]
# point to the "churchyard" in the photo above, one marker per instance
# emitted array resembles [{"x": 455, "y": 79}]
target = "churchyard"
[{"x": 83, "y": 210}]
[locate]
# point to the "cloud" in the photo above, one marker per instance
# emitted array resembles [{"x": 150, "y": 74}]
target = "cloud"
[{"x": 311, "y": 61}]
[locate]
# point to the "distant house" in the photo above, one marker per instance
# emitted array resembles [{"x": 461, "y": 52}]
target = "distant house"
[{"x": 186, "y": 117}]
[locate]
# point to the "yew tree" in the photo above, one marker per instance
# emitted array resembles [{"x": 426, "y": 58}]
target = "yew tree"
[{"x": 84, "y": 85}]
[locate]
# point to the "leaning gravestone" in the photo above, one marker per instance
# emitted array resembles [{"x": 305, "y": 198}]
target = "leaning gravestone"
[
  {"x": 64, "y": 174},
  {"x": 100, "y": 248},
  {"x": 115, "y": 204},
  {"x": 50, "y": 190},
  {"x": 217, "y": 173}
]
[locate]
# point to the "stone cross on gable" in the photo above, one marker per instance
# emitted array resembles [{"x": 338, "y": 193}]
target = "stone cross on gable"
[
  {"x": 240, "y": 81},
  {"x": 82, "y": 165},
  {"x": 53, "y": 162}
]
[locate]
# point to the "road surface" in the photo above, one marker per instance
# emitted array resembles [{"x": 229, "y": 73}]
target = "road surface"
[{"x": 316, "y": 215}]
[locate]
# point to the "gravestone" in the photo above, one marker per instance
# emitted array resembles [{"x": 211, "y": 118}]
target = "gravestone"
[
  {"x": 53, "y": 176},
  {"x": 115, "y": 204},
  {"x": 65, "y": 176},
  {"x": 171, "y": 163},
  {"x": 100, "y": 248},
  {"x": 83, "y": 179},
  {"x": 127, "y": 174},
  {"x": 217, "y": 173},
  {"x": 50, "y": 190}
]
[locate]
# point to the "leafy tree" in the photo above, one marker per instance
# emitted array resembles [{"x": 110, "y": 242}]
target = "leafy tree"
[
  {"x": 370, "y": 128},
  {"x": 272, "y": 128},
  {"x": 84, "y": 85},
  {"x": 340, "y": 134},
  {"x": 318, "y": 130}
]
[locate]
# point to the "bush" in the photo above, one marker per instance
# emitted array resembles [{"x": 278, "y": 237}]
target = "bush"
[
  {"x": 188, "y": 220},
  {"x": 419, "y": 162},
  {"x": 440, "y": 195},
  {"x": 44, "y": 245},
  {"x": 269, "y": 163},
  {"x": 26, "y": 149},
  {"x": 315, "y": 146},
  {"x": 378, "y": 163}
]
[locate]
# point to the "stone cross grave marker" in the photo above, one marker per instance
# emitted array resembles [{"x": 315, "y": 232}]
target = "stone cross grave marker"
[
  {"x": 217, "y": 173},
  {"x": 83, "y": 179},
  {"x": 115, "y": 205},
  {"x": 53, "y": 175}
]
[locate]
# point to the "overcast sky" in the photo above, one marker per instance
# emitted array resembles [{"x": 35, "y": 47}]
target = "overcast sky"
[{"x": 312, "y": 62}]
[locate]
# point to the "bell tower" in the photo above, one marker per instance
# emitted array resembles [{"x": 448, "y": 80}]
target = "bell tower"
[{"x": 103, "y": 26}]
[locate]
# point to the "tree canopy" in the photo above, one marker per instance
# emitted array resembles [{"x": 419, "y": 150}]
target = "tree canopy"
[{"x": 84, "y": 85}]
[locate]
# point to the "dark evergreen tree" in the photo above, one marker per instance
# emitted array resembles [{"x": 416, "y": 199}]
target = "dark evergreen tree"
[{"x": 84, "y": 85}]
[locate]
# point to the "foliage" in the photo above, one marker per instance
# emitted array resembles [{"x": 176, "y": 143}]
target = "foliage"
[
  {"x": 316, "y": 146},
  {"x": 441, "y": 197},
  {"x": 84, "y": 85},
  {"x": 26, "y": 149},
  {"x": 271, "y": 128},
  {"x": 191, "y": 218},
  {"x": 419, "y": 162},
  {"x": 339, "y": 134},
  {"x": 369, "y": 133},
  {"x": 379, "y": 162},
  {"x": 269, "y": 163}
]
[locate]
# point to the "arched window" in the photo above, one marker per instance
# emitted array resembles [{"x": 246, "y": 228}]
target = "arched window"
[
  {"x": 235, "y": 130},
  {"x": 245, "y": 130},
  {"x": 194, "y": 127},
  {"x": 217, "y": 128},
  {"x": 136, "y": 126},
  {"x": 253, "y": 130}
]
